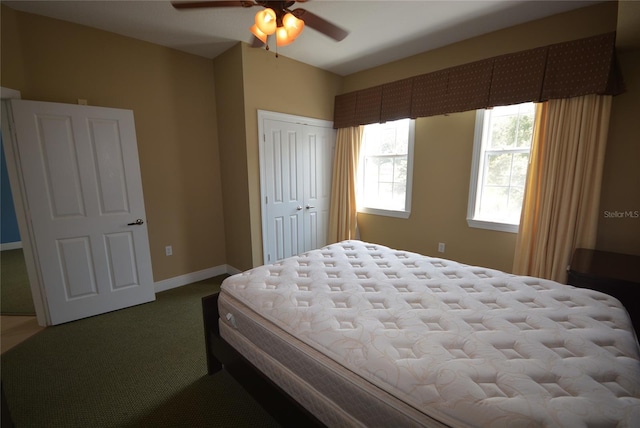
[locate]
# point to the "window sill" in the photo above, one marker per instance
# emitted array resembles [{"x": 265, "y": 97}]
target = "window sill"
[
  {"x": 490, "y": 225},
  {"x": 386, "y": 213}
]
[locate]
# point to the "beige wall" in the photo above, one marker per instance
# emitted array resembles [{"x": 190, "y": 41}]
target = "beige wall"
[
  {"x": 441, "y": 174},
  {"x": 172, "y": 95},
  {"x": 621, "y": 179},
  {"x": 233, "y": 157},
  {"x": 248, "y": 80},
  {"x": 285, "y": 86},
  {"x": 12, "y": 72},
  {"x": 443, "y": 145}
]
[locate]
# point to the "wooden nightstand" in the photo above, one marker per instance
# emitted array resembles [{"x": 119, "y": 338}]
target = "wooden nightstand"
[{"x": 615, "y": 274}]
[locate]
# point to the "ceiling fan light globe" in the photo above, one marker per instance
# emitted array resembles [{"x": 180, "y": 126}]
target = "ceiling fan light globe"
[
  {"x": 282, "y": 37},
  {"x": 266, "y": 21},
  {"x": 259, "y": 34},
  {"x": 293, "y": 25}
]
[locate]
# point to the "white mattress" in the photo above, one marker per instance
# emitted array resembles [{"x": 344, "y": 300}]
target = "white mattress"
[{"x": 465, "y": 345}]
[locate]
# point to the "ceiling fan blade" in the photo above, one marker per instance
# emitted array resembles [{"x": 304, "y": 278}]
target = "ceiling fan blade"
[
  {"x": 320, "y": 24},
  {"x": 203, "y": 4}
]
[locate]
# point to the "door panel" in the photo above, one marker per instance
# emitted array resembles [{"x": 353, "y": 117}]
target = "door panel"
[
  {"x": 76, "y": 266},
  {"x": 57, "y": 149},
  {"x": 107, "y": 146},
  {"x": 121, "y": 260},
  {"x": 83, "y": 188}
]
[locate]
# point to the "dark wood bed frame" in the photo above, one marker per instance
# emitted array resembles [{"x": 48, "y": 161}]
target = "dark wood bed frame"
[{"x": 222, "y": 356}]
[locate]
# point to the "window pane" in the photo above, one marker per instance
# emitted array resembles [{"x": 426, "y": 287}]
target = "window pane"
[
  {"x": 402, "y": 142},
  {"x": 511, "y": 126},
  {"x": 503, "y": 131},
  {"x": 399, "y": 195},
  {"x": 504, "y": 186},
  {"x": 374, "y": 144},
  {"x": 525, "y": 131},
  {"x": 370, "y": 193},
  {"x": 400, "y": 169},
  {"x": 385, "y": 196},
  {"x": 516, "y": 195},
  {"x": 370, "y": 172},
  {"x": 498, "y": 169},
  {"x": 519, "y": 169},
  {"x": 493, "y": 202},
  {"x": 385, "y": 170},
  {"x": 402, "y": 136},
  {"x": 388, "y": 146}
]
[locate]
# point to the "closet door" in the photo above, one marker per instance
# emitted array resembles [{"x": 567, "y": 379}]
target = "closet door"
[
  {"x": 296, "y": 157},
  {"x": 284, "y": 190},
  {"x": 317, "y": 167}
]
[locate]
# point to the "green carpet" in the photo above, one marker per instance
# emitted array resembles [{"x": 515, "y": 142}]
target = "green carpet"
[
  {"x": 15, "y": 294},
  {"x": 143, "y": 366}
]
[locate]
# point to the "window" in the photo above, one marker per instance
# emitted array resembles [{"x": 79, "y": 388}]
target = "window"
[
  {"x": 500, "y": 160},
  {"x": 386, "y": 168}
]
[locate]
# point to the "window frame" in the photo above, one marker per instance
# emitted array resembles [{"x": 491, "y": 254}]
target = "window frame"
[
  {"x": 406, "y": 212},
  {"x": 478, "y": 166}
]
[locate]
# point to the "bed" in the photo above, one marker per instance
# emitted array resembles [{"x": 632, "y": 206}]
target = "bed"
[{"x": 359, "y": 334}]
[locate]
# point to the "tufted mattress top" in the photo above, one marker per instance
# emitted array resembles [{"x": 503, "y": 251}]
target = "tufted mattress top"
[{"x": 467, "y": 344}]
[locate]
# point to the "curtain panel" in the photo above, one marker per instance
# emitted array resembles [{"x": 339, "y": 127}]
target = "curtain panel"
[
  {"x": 563, "y": 70},
  {"x": 562, "y": 195},
  {"x": 343, "y": 210}
]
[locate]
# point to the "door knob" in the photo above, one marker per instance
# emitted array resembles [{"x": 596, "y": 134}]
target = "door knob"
[
  {"x": 138, "y": 222},
  {"x": 298, "y": 208},
  {"x": 309, "y": 207}
]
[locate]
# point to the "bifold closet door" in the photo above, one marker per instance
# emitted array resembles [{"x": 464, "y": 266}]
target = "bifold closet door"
[{"x": 296, "y": 170}]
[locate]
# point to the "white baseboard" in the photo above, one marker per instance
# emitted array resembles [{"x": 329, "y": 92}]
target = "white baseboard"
[
  {"x": 10, "y": 245},
  {"x": 233, "y": 271},
  {"x": 179, "y": 281}
]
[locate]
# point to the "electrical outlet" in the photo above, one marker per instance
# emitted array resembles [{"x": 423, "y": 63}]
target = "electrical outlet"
[
  {"x": 168, "y": 250},
  {"x": 441, "y": 247}
]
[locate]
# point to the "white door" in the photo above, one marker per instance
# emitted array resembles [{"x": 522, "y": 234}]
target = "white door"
[
  {"x": 284, "y": 190},
  {"x": 85, "y": 205},
  {"x": 318, "y": 146},
  {"x": 296, "y": 164}
]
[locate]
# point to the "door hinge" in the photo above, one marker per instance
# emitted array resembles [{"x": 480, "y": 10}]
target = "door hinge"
[
  {"x": 268, "y": 257},
  {"x": 266, "y": 200}
]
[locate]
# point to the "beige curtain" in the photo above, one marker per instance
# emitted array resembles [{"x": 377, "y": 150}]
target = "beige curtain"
[
  {"x": 342, "y": 212},
  {"x": 562, "y": 195}
]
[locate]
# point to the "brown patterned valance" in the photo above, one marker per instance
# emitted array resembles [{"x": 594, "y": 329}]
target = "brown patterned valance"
[{"x": 563, "y": 70}]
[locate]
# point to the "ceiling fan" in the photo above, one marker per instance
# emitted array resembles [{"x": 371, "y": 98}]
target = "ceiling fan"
[{"x": 275, "y": 17}]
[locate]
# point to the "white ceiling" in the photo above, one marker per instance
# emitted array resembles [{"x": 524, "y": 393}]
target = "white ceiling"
[{"x": 380, "y": 31}]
